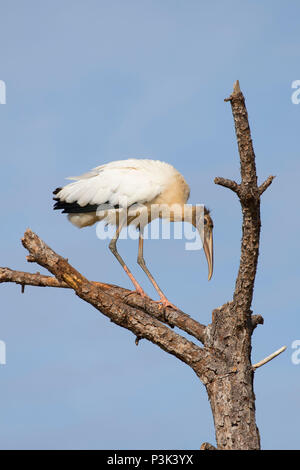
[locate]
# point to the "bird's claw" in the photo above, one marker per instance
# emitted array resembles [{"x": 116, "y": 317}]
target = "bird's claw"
[
  {"x": 139, "y": 292},
  {"x": 164, "y": 302},
  {"x": 142, "y": 293}
]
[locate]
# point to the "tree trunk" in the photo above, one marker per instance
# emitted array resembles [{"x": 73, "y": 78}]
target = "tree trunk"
[
  {"x": 230, "y": 386},
  {"x": 229, "y": 381}
]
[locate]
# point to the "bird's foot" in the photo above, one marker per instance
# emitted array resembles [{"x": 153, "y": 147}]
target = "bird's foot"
[
  {"x": 165, "y": 303},
  {"x": 138, "y": 289},
  {"x": 142, "y": 293}
]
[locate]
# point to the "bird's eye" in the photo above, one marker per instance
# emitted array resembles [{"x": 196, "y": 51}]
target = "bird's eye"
[{"x": 205, "y": 221}]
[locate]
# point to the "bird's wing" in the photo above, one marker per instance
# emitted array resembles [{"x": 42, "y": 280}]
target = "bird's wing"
[{"x": 118, "y": 183}]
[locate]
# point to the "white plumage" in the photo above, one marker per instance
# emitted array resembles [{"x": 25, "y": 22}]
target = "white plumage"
[
  {"x": 123, "y": 183},
  {"x": 118, "y": 186}
]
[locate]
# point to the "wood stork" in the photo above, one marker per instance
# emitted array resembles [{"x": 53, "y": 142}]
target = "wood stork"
[{"x": 113, "y": 192}]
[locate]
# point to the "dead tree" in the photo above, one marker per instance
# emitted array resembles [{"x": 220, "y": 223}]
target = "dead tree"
[{"x": 223, "y": 361}]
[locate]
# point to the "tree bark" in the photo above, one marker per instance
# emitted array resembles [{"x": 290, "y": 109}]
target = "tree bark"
[
  {"x": 228, "y": 377},
  {"x": 223, "y": 362},
  {"x": 230, "y": 390}
]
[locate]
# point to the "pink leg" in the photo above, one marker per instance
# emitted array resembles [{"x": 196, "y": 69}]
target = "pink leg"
[
  {"x": 163, "y": 300},
  {"x": 134, "y": 281},
  {"x": 113, "y": 248}
]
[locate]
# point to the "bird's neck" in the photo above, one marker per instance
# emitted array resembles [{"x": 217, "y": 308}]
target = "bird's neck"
[
  {"x": 183, "y": 213},
  {"x": 179, "y": 213}
]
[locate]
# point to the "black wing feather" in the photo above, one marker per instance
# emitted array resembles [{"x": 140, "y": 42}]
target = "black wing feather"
[{"x": 75, "y": 208}]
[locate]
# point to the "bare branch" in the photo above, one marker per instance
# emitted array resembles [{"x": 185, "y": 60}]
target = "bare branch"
[
  {"x": 236, "y": 91},
  {"x": 136, "y": 320},
  {"x": 29, "y": 279},
  {"x": 269, "y": 358},
  {"x": 230, "y": 184},
  {"x": 265, "y": 184},
  {"x": 244, "y": 141},
  {"x": 250, "y": 201},
  {"x": 256, "y": 320},
  {"x": 170, "y": 316}
]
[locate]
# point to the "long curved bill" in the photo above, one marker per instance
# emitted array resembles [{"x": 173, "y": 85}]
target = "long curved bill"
[{"x": 208, "y": 247}]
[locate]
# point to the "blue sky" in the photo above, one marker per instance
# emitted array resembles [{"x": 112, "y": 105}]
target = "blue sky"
[{"x": 95, "y": 81}]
